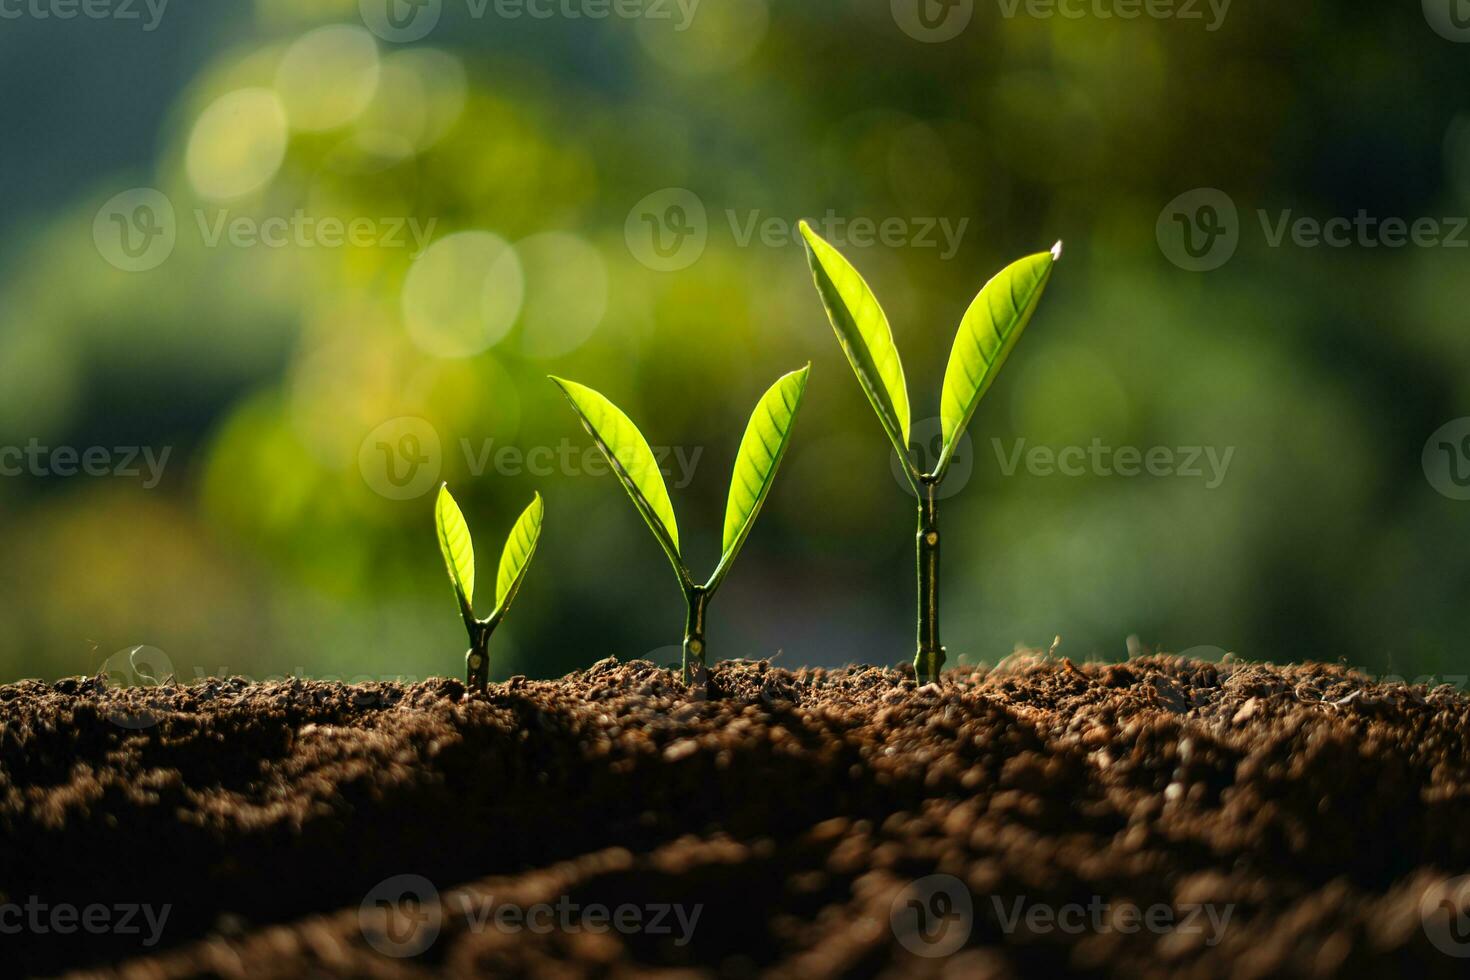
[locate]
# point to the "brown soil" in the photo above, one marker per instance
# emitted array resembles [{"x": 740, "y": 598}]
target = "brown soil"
[{"x": 810, "y": 817}]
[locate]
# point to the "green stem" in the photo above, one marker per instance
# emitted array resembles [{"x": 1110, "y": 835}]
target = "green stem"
[
  {"x": 477, "y": 661},
  {"x": 930, "y": 656},
  {"x": 697, "y": 598}
]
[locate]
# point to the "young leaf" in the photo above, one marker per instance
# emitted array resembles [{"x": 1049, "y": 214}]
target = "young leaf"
[
  {"x": 766, "y": 437},
  {"x": 987, "y": 334},
  {"x": 866, "y": 338},
  {"x": 632, "y": 462},
  {"x": 458, "y": 551},
  {"x": 520, "y": 548}
]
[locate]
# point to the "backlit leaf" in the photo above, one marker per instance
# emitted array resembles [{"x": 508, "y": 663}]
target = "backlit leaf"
[
  {"x": 520, "y": 547},
  {"x": 987, "y": 334},
  {"x": 631, "y": 460},
  {"x": 458, "y": 550},
  {"x": 766, "y": 437},
  {"x": 863, "y": 331}
]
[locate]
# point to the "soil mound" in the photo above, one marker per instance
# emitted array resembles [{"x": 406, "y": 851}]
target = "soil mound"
[{"x": 1038, "y": 818}]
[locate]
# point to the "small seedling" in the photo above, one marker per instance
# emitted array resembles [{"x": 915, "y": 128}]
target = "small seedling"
[
  {"x": 987, "y": 334},
  {"x": 459, "y": 558},
  {"x": 628, "y": 455}
]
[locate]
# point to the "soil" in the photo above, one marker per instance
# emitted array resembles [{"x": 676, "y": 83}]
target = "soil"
[{"x": 1040, "y": 818}]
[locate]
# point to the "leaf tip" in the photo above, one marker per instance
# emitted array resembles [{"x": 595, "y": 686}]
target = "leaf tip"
[
  {"x": 807, "y": 233},
  {"x": 1056, "y": 251}
]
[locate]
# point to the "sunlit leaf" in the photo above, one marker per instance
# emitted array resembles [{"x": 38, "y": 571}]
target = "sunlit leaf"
[
  {"x": 987, "y": 334},
  {"x": 631, "y": 460},
  {"x": 766, "y": 437},
  {"x": 458, "y": 550},
  {"x": 520, "y": 547},
  {"x": 863, "y": 331}
]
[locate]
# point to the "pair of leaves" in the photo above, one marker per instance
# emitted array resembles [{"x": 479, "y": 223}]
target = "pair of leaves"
[
  {"x": 767, "y": 435},
  {"x": 459, "y": 555},
  {"x": 987, "y": 334}
]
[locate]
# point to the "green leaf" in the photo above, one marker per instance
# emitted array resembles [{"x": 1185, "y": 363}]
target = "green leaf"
[
  {"x": 458, "y": 551},
  {"x": 632, "y": 461},
  {"x": 766, "y": 437},
  {"x": 866, "y": 338},
  {"x": 520, "y": 548},
  {"x": 987, "y": 334}
]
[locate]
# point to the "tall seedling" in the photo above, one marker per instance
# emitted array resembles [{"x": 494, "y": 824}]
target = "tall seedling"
[
  {"x": 459, "y": 558},
  {"x": 987, "y": 334},
  {"x": 627, "y": 453}
]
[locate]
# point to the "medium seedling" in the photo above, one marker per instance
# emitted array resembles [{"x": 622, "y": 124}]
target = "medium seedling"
[
  {"x": 987, "y": 334},
  {"x": 628, "y": 455},
  {"x": 459, "y": 558}
]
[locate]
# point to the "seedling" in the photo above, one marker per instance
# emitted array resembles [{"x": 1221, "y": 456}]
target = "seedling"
[
  {"x": 628, "y": 455},
  {"x": 987, "y": 334},
  {"x": 459, "y": 558}
]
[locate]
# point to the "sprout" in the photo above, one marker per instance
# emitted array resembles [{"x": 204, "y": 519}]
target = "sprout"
[
  {"x": 987, "y": 334},
  {"x": 627, "y": 453},
  {"x": 459, "y": 558}
]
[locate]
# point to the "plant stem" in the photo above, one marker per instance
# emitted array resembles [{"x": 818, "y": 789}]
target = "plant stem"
[
  {"x": 930, "y": 656},
  {"x": 697, "y": 598},
  {"x": 477, "y": 661}
]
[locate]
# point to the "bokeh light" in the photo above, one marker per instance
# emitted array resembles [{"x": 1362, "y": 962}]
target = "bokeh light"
[
  {"x": 566, "y": 293},
  {"x": 463, "y": 294},
  {"x": 328, "y": 77},
  {"x": 237, "y": 144}
]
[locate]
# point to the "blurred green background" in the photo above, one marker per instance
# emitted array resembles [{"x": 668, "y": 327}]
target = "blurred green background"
[{"x": 530, "y": 153}]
